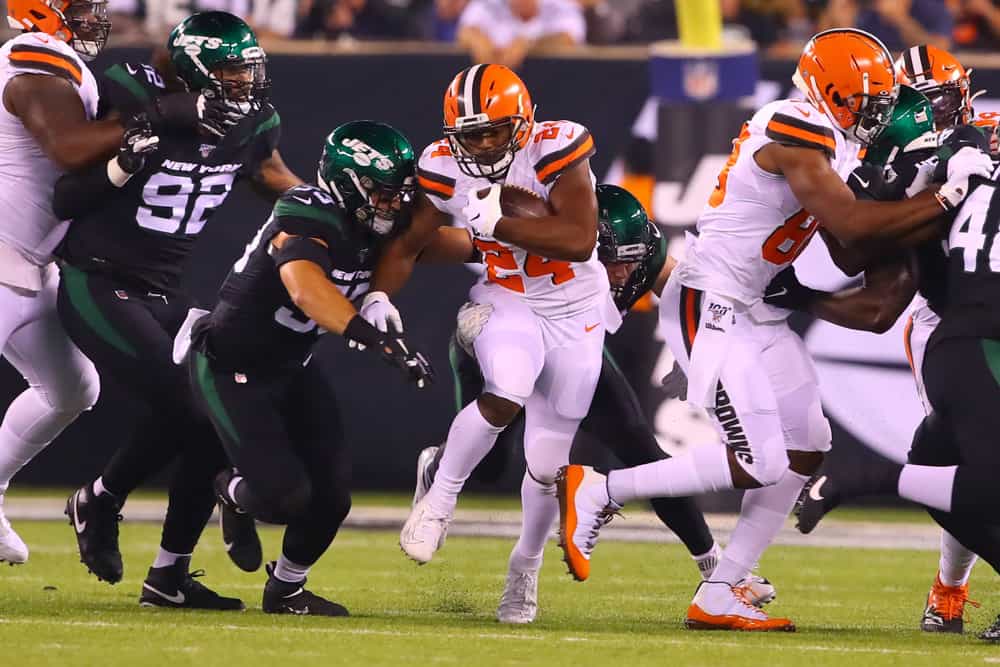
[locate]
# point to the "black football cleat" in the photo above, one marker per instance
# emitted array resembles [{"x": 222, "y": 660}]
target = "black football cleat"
[
  {"x": 281, "y": 597},
  {"x": 819, "y": 496},
  {"x": 239, "y": 532},
  {"x": 95, "y": 521},
  {"x": 992, "y": 633},
  {"x": 175, "y": 588}
]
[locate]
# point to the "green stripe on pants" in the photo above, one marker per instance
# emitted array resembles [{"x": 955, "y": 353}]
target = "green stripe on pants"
[
  {"x": 991, "y": 349},
  {"x": 206, "y": 383},
  {"x": 76, "y": 282}
]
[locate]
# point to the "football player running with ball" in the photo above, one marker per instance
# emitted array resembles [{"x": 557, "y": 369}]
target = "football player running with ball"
[
  {"x": 249, "y": 364},
  {"x": 785, "y": 178},
  {"x": 48, "y": 126},
  {"x": 634, "y": 252},
  {"x": 136, "y": 220},
  {"x": 535, "y": 320}
]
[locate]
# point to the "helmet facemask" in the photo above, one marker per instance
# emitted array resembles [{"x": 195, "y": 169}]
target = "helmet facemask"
[
  {"x": 491, "y": 163},
  {"x": 243, "y": 83},
  {"x": 90, "y": 24},
  {"x": 873, "y": 114},
  {"x": 381, "y": 208}
]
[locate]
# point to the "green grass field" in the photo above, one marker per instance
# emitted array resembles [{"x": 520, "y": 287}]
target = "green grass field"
[{"x": 850, "y": 605}]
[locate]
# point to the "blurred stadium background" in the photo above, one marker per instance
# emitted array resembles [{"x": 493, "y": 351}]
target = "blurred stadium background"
[{"x": 662, "y": 114}]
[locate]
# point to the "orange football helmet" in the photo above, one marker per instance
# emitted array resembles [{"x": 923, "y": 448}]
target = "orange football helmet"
[
  {"x": 83, "y": 24},
  {"x": 848, "y": 74},
  {"x": 481, "y": 101},
  {"x": 942, "y": 79}
]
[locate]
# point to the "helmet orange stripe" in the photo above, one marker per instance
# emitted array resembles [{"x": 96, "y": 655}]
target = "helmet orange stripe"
[{"x": 47, "y": 61}]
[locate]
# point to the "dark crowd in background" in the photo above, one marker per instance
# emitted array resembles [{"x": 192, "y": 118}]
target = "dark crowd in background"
[{"x": 508, "y": 30}]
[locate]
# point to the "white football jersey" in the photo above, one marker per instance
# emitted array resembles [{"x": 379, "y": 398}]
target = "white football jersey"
[
  {"x": 753, "y": 225},
  {"x": 27, "y": 175},
  {"x": 553, "y": 289}
]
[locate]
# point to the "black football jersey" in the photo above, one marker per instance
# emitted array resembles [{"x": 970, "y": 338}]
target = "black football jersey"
[
  {"x": 144, "y": 233},
  {"x": 972, "y": 303},
  {"x": 256, "y": 324},
  {"x": 644, "y": 276},
  {"x": 870, "y": 182},
  {"x": 932, "y": 260}
]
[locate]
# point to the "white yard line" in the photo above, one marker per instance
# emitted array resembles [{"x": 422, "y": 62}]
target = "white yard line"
[{"x": 640, "y": 526}]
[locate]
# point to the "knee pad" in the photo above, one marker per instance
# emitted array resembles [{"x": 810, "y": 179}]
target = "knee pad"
[{"x": 72, "y": 398}]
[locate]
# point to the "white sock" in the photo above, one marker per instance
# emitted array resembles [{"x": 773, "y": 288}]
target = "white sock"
[
  {"x": 166, "y": 558},
  {"x": 762, "y": 515},
  {"x": 956, "y": 561},
  {"x": 289, "y": 572},
  {"x": 99, "y": 487},
  {"x": 928, "y": 485},
  {"x": 708, "y": 561},
  {"x": 705, "y": 468},
  {"x": 470, "y": 439},
  {"x": 539, "y": 510}
]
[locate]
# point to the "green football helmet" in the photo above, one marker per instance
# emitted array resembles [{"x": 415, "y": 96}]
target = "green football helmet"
[
  {"x": 369, "y": 168},
  {"x": 911, "y": 128},
  {"x": 622, "y": 226},
  {"x": 218, "y": 52}
]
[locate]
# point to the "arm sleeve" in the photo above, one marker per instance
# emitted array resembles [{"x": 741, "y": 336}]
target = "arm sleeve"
[
  {"x": 303, "y": 248},
  {"x": 83, "y": 191}
]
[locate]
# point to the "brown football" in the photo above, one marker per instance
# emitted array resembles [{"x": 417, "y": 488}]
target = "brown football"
[{"x": 521, "y": 203}]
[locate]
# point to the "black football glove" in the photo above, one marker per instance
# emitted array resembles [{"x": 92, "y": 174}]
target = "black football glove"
[
  {"x": 396, "y": 352},
  {"x": 392, "y": 348},
  {"x": 675, "y": 383},
  {"x": 785, "y": 291},
  {"x": 193, "y": 112},
  {"x": 138, "y": 140}
]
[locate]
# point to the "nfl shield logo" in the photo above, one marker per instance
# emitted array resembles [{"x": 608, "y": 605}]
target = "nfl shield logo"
[
  {"x": 701, "y": 79},
  {"x": 206, "y": 149}
]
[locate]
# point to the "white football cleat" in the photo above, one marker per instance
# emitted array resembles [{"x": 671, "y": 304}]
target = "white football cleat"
[
  {"x": 12, "y": 548},
  {"x": 519, "y": 602},
  {"x": 719, "y": 606},
  {"x": 584, "y": 508},
  {"x": 424, "y": 532},
  {"x": 424, "y": 478}
]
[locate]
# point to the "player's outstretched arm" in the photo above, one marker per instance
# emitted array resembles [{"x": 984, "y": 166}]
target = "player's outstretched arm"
[
  {"x": 273, "y": 177},
  {"x": 887, "y": 291},
  {"x": 51, "y": 111},
  {"x": 449, "y": 245},
  {"x": 305, "y": 276},
  {"x": 825, "y": 195},
  {"x": 395, "y": 265},
  {"x": 310, "y": 289},
  {"x": 568, "y": 235}
]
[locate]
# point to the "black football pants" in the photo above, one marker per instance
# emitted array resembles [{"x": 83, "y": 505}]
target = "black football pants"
[
  {"x": 616, "y": 419},
  {"x": 282, "y": 431},
  {"x": 128, "y": 335},
  {"x": 962, "y": 376}
]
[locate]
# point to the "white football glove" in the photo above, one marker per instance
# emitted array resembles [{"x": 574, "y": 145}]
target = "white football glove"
[
  {"x": 964, "y": 164},
  {"x": 483, "y": 214},
  {"x": 380, "y": 313}
]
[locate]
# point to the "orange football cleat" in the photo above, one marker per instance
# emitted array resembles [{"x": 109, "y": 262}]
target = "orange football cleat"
[{"x": 719, "y": 606}]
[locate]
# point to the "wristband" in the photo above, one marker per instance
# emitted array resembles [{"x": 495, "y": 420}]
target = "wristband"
[
  {"x": 118, "y": 176},
  {"x": 360, "y": 330}
]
